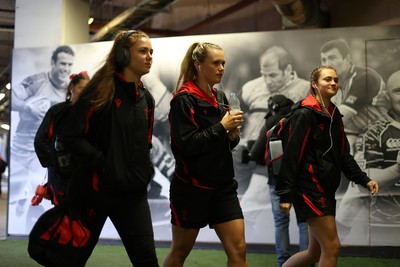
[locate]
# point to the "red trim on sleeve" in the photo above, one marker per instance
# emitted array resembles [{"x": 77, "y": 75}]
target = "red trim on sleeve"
[
  {"x": 266, "y": 148},
  {"x": 50, "y": 134},
  {"x": 89, "y": 114},
  {"x": 192, "y": 117},
  {"x": 95, "y": 181},
  {"x": 303, "y": 146}
]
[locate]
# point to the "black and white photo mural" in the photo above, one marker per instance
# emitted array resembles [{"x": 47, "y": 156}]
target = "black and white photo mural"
[{"x": 367, "y": 60}]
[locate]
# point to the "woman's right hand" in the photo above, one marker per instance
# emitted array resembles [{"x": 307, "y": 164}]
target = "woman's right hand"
[
  {"x": 233, "y": 134},
  {"x": 232, "y": 120},
  {"x": 373, "y": 187}
]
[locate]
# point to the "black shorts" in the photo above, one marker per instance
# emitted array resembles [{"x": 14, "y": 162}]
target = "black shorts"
[
  {"x": 195, "y": 207},
  {"x": 313, "y": 204}
]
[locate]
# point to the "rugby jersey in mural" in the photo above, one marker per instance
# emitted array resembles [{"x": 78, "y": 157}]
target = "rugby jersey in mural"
[{"x": 378, "y": 148}]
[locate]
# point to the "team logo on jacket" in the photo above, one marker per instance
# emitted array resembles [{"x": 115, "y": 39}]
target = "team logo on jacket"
[{"x": 118, "y": 102}]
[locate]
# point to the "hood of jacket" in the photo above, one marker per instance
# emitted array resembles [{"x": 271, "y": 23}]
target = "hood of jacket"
[{"x": 192, "y": 88}]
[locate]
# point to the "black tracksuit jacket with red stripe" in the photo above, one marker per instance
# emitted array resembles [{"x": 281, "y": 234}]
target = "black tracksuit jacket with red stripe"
[
  {"x": 198, "y": 140},
  {"x": 115, "y": 140},
  {"x": 304, "y": 166}
]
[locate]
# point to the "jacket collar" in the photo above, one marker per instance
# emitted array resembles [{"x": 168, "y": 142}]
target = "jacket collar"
[
  {"x": 311, "y": 102},
  {"x": 191, "y": 88},
  {"x": 124, "y": 81}
]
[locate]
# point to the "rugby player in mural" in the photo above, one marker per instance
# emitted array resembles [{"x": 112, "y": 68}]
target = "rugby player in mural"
[
  {"x": 31, "y": 99},
  {"x": 378, "y": 153},
  {"x": 361, "y": 97}
]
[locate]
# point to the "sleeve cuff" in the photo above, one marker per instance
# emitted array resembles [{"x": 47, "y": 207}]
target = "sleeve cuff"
[{"x": 219, "y": 129}]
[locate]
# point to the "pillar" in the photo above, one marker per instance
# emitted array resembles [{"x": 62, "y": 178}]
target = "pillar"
[{"x": 50, "y": 22}]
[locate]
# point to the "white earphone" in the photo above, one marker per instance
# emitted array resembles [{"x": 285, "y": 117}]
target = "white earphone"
[
  {"x": 330, "y": 124},
  {"x": 199, "y": 67}
]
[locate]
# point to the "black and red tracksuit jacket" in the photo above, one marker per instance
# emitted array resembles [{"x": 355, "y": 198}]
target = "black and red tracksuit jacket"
[
  {"x": 115, "y": 140},
  {"x": 316, "y": 153},
  {"x": 44, "y": 142},
  {"x": 199, "y": 142}
]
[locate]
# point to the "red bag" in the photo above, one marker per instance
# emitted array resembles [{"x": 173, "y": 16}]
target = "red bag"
[{"x": 60, "y": 238}]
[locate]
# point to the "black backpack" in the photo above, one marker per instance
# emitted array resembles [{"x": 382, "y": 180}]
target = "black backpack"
[
  {"x": 59, "y": 172},
  {"x": 277, "y": 138}
]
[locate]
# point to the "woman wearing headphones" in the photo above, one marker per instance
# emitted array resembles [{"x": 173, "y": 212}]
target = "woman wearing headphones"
[
  {"x": 110, "y": 137},
  {"x": 316, "y": 153}
]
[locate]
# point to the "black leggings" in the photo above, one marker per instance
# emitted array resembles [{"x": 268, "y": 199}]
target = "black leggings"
[{"x": 130, "y": 215}]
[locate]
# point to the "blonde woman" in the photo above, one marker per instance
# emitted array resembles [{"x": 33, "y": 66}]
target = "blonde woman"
[{"x": 203, "y": 134}]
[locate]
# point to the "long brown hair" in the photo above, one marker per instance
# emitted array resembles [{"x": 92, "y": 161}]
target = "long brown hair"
[{"x": 101, "y": 88}]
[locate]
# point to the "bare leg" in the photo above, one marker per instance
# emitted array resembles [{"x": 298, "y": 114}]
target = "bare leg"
[
  {"x": 182, "y": 243},
  {"x": 231, "y": 235},
  {"x": 324, "y": 244}
]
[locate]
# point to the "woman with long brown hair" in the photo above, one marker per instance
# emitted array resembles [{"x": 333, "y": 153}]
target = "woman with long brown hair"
[{"x": 110, "y": 136}]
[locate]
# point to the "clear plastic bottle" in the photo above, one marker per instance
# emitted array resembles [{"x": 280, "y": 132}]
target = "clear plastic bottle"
[{"x": 234, "y": 104}]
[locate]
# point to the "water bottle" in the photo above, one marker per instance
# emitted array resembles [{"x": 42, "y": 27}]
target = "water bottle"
[{"x": 234, "y": 104}]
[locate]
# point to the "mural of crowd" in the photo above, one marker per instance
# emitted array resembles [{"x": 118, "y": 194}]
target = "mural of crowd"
[{"x": 258, "y": 66}]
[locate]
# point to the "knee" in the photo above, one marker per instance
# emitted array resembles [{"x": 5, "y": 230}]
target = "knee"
[
  {"x": 242, "y": 247},
  {"x": 332, "y": 250},
  {"x": 181, "y": 253},
  {"x": 239, "y": 249},
  {"x": 335, "y": 250}
]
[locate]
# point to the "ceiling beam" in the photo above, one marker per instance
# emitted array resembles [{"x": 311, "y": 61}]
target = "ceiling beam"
[
  {"x": 220, "y": 15},
  {"x": 132, "y": 18}
]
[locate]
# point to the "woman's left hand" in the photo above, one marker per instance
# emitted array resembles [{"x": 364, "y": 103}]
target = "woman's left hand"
[
  {"x": 373, "y": 187},
  {"x": 233, "y": 134}
]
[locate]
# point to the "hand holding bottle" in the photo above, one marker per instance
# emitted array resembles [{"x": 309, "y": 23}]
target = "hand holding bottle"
[
  {"x": 231, "y": 120},
  {"x": 233, "y": 134}
]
